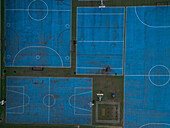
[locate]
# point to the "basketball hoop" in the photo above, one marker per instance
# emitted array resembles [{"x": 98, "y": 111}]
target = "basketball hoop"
[
  {"x": 90, "y": 104},
  {"x": 102, "y": 6},
  {"x": 100, "y": 95}
]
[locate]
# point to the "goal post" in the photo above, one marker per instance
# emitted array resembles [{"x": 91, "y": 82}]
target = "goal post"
[{"x": 102, "y": 5}]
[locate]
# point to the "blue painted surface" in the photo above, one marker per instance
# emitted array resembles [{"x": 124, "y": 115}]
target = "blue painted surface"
[
  {"x": 38, "y": 23},
  {"x": 147, "y": 64},
  {"x": 100, "y": 40},
  {"x": 46, "y": 100}
]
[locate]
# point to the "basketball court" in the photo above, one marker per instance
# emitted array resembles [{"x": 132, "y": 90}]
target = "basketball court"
[
  {"x": 40, "y": 35},
  {"x": 147, "y": 66},
  {"x": 100, "y": 40},
  {"x": 49, "y": 100}
]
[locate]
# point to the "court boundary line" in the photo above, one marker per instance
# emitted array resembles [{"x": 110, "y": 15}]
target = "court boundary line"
[
  {"x": 96, "y": 41},
  {"x": 94, "y": 68},
  {"x": 37, "y": 47},
  {"x": 100, "y": 41},
  {"x": 49, "y": 101},
  {"x": 23, "y": 98},
  {"x": 124, "y": 39},
  {"x": 47, "y": 77},
  {"x": 101, "y": 14},
  {"x": 106, "y": 7},
  {"x": 97, "y": 68},
  {"x": 76, "y": 37},
  {"x": 123, "y": 65},
  {"x": 37, "y": 10},
  {"x": 97, "y": 74},
  {"x": 70, "y": 23},
  {"x": 146, "y": 75},
  {"x": 74, "y": 101},
  {"x": 151, "y": 26},
  {"x": 72, "y": 78},
  {"x": 39, "y": 20},
  {"x": 147, "y": 124}
]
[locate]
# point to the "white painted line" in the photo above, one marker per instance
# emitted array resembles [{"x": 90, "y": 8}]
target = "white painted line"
[
  {"x": 39, "y": 66},
  {"x": 85, "y": 87},
  {"x": 15, "y": 112},
  {"x": 147, "y": 75},
  {"x": 45, "y": 104},
  {"x": 49, "y": 103},
  {"x": 60, "y": 10},
  {"x": 23, "y": 98},
  {"x": 37, "y": 10},
  {"x": 20, "y": 105},
  {"x": 75, "y": 101},
  {"x": 98, "y": 7},
  {"x": 165, "y": 124},
  {"x": 159, "y": 75},
  {"x": 43, "y": 9},
  {"x": 14, "y": 86},
  {"x": 16, "y": 106},
  {"x": 37, "y": 47},
  {"x": 82, "y": 114},
  {"x": 23, "y": 93},
  {"x": 109, "y": 14},
  {"x": 150, "y": 6},
  {"x": 96, "y": 68},
  {"x": 97, "y": 74},
  {"x": 100, "y": 41},
  {"x": 148, "y": 24}
]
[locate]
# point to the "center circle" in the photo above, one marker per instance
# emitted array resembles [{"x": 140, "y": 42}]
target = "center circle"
[
  {"x": 159, "y": 75},
  {"x": 38, "y": 10},
  {"x": 49, "y": 100}
]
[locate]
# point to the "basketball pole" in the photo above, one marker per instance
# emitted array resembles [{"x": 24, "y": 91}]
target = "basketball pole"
[{"x": 102, "y": 4}]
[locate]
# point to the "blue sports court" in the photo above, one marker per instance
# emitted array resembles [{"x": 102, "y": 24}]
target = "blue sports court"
[
  {"x": 100, "y": 40},
  {"x": 38, "y": 33},
  {"x": 147, "y": 64},
  {"x": 49, "y": 100}
]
